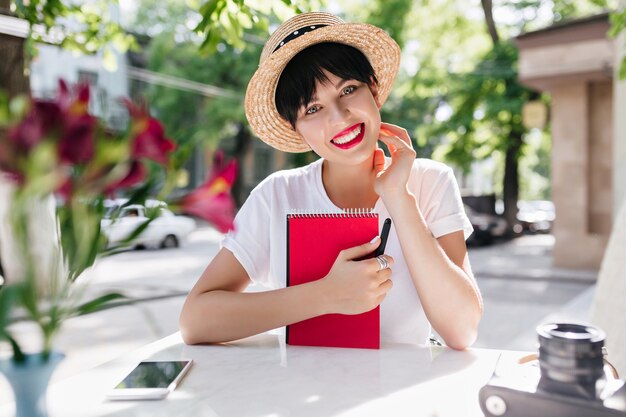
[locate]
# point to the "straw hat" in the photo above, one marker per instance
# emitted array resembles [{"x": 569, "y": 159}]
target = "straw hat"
[{"x": 296, "y": 34}]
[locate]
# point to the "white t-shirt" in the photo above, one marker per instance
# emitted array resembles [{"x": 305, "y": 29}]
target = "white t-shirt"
[{"x": 259, "y": 238}]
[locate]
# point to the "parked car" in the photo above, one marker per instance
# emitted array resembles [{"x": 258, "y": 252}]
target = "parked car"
[
  {"x": 167, "y": 230},
  {"x": 486, "y": 226},
  {"x": 535, "y": 216}
]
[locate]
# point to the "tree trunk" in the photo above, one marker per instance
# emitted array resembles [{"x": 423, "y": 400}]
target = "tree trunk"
[
  {"x": 13, "y": 79},
  {"x": 243, "y": 140},
  {"x": 491, "y": 24},
  {"x": 510, "y": 187},
  {"x": 511, "y": 180}
]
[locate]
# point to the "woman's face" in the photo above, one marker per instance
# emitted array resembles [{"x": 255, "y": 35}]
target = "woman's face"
[{"x": 342, "y": 121}]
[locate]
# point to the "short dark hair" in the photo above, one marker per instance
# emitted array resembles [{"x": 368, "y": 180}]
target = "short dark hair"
[{"x": 296, "y": 85}]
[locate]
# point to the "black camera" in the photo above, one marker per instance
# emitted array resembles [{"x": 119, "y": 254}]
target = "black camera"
[{"x": 569, "y": 379}]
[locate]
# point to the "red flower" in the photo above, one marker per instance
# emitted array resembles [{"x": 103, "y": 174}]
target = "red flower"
[
  {"x": 150, "y": 141},
  {"x": 149, "y": 136},
  {"x": 74, "y": 103},
  {"x": 217, "y": 210},
  {"x": 77, "y": 143},
  {"x": 212, "y": 201},
  {"x": 43, "y": 119},
  {"x": 66, "y": 189},
  {"x": 136, "y": 174},
  {"x": 27, "y": 133}
]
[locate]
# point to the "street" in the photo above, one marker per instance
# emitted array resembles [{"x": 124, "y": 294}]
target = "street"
[{"x": 514, "y": 302}]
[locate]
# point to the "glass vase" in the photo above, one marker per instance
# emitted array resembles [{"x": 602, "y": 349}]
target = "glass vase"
[{"x": 29, "y": 381}]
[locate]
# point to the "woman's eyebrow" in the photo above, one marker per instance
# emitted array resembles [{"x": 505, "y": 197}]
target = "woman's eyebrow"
[
  {"x": 337, "y": 86},
  {"x": 340, "y": 83}
]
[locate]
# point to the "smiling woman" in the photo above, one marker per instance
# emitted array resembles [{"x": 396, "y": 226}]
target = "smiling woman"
[
  {"x": 320, "y": 85},
  {"x": 344, "y": 111}
]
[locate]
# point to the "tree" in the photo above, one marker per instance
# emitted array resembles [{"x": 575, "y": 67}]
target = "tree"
[
  {"x": 184, "y": 29},
  {"x": 91, "y": 26},
  {"x": 454, "y": 62},
  {"x": 197, "y": 121},
  {"x": 487, "y": 101},
  {"x": 487, "y": 117},
  {"x": 227, "y": 61},
  {"x": 428, "y": 34},
  {"x": 86, "y": 28}
]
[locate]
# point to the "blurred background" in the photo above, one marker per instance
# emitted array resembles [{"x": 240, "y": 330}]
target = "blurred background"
[{"x": 521, "y": 98}]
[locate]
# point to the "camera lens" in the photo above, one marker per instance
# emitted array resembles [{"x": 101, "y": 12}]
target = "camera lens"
[{"x": 570, "y": 358}]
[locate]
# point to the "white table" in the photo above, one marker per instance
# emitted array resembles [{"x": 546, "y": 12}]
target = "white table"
[{"x": 261, "y": 377}]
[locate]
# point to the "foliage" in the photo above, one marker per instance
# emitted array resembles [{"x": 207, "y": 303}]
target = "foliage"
[
  {"x": 93, "y": 26},
  {"x": 227, "y": 20},
  {"x": 535, "y": 167},
  {"x": 430, "y": 34},
  {"x": 215, "y": 21},
  {"x": 56, "y": 148},
  {"x": 618, "y": 24},
  {"x": 487, "y": 105},
  {"x": 191, "y": 116},
  {"x": 85, "y": 27},
  {"x": 389, "y": 15},
  {"x": 195, "y": 119},
  {"x": 529, "y": 15}
]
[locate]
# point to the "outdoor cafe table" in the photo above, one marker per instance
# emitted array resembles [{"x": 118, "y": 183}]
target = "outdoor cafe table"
[{"x": 262, "y": 377}]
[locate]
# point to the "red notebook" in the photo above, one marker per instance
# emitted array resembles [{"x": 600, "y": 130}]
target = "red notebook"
[{"x": 313, "y": 243}]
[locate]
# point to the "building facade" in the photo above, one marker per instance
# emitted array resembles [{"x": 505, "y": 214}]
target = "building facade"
[{"x": 574, "y": 64}]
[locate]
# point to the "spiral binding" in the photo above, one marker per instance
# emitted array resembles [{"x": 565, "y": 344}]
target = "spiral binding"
[{"x": 346, "y": 213}]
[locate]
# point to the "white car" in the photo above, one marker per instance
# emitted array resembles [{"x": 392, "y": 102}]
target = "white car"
[
  {"x": 536, "y": 216},
  {"x": 167, "y": 230}
]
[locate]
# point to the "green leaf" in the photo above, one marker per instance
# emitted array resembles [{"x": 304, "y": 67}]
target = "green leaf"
[
  {"x": 134, "y": 234},
  {"x": 140, "y": 194},
  {"x": 622, "y": 69},
  {"x": 18, "y": 107},
  {"x": 618, "y": 23},
  {"x": 211, "y": 40},
  {"x": 121, "y": 42},
  {"x": 98, "y": 303},
  {"x": 8, "y": 294},
  {"x": 18, "y": 355},
  {"x": 109, "y": 60},
  {"x": 245, "y": 19},
  {"x": 235, "y": 31},
  {"x": 4, "y": 109},
  {"x": 208, "y": 9}
]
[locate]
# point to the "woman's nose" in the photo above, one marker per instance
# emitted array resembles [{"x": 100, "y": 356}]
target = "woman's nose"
[{"x": 339, "y": 113}]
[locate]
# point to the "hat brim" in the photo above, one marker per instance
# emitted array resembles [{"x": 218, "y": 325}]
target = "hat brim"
[{"x": 379, "y": 48}]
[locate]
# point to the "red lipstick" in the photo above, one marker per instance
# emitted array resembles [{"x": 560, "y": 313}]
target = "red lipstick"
[{"x": 348, "y": 130}]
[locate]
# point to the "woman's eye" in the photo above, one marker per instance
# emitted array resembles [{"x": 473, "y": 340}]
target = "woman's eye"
[
  {"x": 312, "y": 109},
  {"x": 348, "y": 90}
]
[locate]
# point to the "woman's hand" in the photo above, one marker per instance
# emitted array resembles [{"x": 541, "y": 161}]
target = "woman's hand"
[
  {"x": 356, "y": 286},
  {"x": 392, "y": 180}
]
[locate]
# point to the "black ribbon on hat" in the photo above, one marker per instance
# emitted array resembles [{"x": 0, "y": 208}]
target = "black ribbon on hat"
[{"x": 297, "y": 33}]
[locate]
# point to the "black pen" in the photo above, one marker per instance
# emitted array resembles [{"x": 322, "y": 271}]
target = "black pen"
[{"x": 384, "y": 234}]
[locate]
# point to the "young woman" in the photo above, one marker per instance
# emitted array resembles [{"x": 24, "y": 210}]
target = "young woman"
[{"x": 320, "y": 85}]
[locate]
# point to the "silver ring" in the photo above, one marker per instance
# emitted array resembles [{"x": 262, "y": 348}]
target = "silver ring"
[{"x": 382, "y": 261}]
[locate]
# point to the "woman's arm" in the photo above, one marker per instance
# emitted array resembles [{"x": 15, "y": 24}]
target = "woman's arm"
[
  {"x": 216, "y": 309},
  {"x": 439, "y": 267},
  {"x": 441, "y": 273}
]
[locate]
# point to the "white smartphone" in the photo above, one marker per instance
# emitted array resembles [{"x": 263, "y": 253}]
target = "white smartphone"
[{"x": 151, "y": 380}]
